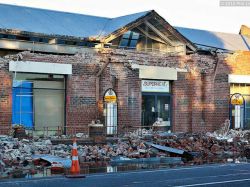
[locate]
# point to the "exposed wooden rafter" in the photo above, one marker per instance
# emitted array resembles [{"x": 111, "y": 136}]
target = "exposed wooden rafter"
[
  {"x": 174, "y": 32},
  {"x": 125, "y": 29},
  {"x": 150, "y": 36},
  {"x": 159, "y": 33},
  {"x": 163, "y": 38}
]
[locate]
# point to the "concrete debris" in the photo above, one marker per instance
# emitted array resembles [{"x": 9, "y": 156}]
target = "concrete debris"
[
  {"x": 79, "y": 135},
  {"x": 139, "y": 133},
  {"x": 47, "y": 142},
  {"x": 18, "y": 154},
  {"x": 224, "y": 133}
]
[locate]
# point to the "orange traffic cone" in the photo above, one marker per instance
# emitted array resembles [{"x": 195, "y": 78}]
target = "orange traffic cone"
[{"x": 75, "y": 168}]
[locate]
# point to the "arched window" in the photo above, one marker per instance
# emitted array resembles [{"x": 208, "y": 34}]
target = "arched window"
[{"x": 110, "y": 111}]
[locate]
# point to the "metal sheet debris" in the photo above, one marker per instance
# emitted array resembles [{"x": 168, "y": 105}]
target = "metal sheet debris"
[
  {"x": 168, "y": 149},
  {"x": 66, "y": 162}
]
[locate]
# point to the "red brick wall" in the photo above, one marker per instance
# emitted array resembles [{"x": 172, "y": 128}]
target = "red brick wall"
[
  {"x": 5, "y": 98},
  {"x": 126, "y": 84},
  {"x": 200, "y": 96},
  {"x": 237, "y": 64},
  {"x": 182, "y": 102},
  {"x": 81, "y": 101},
  {"x": 217, "y": 91}
]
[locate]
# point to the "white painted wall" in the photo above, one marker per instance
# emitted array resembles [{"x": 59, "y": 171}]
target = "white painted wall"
[{"x": 239, "y": 78}]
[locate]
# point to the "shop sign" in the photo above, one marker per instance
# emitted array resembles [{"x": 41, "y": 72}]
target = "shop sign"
[
  {"x": 154, "y": 86},
  {"x": 110, "y": 96},
  {"x": 237, "y": 99}
]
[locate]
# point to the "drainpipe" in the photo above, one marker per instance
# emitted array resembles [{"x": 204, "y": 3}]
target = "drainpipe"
[
  {"x": 97, "y": 85},
  {"x": 216, "y": 65}
]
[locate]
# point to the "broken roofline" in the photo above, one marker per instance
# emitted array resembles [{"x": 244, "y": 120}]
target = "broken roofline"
[
  {"x": 50, "y": 36},
  {"x": 110, "y": 36},
  {"x": 96, "y": 38},
  {"x": 146, "y": 17}
]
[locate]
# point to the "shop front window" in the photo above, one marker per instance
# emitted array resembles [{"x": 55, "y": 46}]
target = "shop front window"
[
  {"x": 38, "y": 102},
  {"x": 156, "y": 104}
]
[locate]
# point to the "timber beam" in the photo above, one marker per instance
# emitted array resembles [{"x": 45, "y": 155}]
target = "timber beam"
[
  {"x": 124, "y": 29},
  {"x": 159, "y": 33},
  {"x": 150, "y": 36}
]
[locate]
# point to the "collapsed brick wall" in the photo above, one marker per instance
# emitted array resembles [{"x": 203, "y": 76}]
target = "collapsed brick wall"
[
  {"x": 238, "y": 64},
  {"x": 200, "y": 95},
  {"x": 192, "y": 92}
]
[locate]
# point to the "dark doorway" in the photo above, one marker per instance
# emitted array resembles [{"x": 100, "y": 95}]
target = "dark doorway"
[{"x": 156, "y": 107}]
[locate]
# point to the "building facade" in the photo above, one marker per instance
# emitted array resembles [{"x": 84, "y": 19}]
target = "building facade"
[{"x": 130, "y": 72}]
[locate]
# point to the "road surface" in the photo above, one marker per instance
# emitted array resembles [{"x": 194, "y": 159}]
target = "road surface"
[{"x": 207, "y": 175}]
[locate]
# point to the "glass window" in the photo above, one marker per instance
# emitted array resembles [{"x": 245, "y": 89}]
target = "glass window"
[
  {"x": 126, "y": 35},
  {"x": 247, "y": 100},
  {"x": 156, "y": 108},
  {"x": 248, "y": 113},
  {"x": 133, "y": 43},
  {"x": 38, "y": 101},
  {"x": 124, "y": 43},
  {"x": 135, "y": 36},
  {"x": 129, "y": 39}
]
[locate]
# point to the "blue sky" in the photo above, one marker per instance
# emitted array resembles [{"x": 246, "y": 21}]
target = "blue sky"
[{"x": 201, "y": 14}]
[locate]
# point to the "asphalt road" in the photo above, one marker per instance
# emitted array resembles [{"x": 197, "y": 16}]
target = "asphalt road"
[{"x": 208, "y": 175}]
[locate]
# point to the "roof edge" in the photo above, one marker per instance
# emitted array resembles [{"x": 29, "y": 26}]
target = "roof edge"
[
  {"x": 52, "y": 10},
  {"x": 190, "y": 44},
  {"x": 105, "y": 38}
]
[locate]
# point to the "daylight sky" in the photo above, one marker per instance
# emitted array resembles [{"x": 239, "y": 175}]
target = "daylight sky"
[{"x": 201, "y": 14}]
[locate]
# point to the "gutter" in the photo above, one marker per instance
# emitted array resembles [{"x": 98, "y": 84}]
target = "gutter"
[{"x": 216, "y": 48}]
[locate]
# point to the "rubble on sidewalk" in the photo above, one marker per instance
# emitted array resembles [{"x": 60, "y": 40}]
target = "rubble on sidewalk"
[{"x": 19, "y": 154}]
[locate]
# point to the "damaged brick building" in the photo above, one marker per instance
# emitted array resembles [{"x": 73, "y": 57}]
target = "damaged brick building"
[{"x": 60, "y": 71}]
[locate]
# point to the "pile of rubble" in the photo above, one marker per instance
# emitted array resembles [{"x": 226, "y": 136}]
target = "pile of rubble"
[{"x": 223, "y": 144}]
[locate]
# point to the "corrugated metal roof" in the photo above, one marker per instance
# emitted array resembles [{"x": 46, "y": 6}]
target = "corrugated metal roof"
[
  {"x": 220, "y": 40},
  {"x": 119, "y": 22},
  {"x": 50, "y": 22},
  {"x": 60, "y": 23}
]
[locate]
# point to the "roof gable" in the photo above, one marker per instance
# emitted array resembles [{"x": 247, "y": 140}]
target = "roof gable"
[
  {"x": 54, "y": 23},
  {"x": 119, "y": 22},
  {"x": 148, "y": 18}
]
